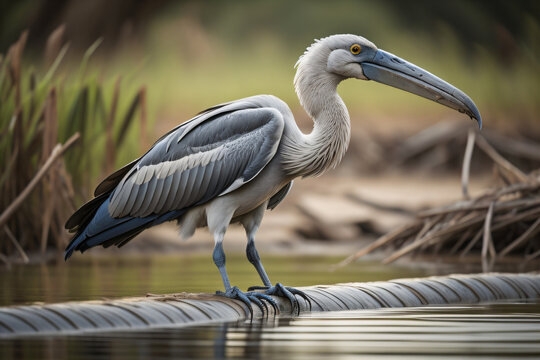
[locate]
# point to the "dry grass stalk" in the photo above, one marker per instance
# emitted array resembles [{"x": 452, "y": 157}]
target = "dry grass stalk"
[
  {"x": 144, "y": 120},
  {"x": 136, "y": 103},
  {"x": 55, "y": 154},
  {"x": 49, "y": 139},
  {"x": 16, "y": 244},
  {"x": 54, "y": 44},
  {"x": 15, "y": 55},
  {"x": 110, "y": 144}
]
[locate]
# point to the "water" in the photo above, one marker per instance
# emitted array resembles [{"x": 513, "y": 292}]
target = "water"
[
  {"x": 91, "y": 278},
  {"x": 502, "y": 331}
]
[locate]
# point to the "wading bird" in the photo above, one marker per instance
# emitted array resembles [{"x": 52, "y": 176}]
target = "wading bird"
[{"x": 235, "y": 160}]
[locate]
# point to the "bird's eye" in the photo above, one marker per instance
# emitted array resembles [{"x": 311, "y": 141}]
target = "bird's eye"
[{"x": 355, "y": 49}]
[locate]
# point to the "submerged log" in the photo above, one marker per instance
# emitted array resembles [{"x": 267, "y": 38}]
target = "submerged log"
[{"x": 196, "y": 309}]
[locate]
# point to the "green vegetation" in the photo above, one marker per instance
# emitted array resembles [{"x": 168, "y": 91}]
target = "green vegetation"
[{"x": 42, "y": 108}]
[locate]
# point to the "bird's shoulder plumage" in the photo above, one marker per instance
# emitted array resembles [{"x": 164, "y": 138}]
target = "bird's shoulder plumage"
[{"x": 211, "y": 155}]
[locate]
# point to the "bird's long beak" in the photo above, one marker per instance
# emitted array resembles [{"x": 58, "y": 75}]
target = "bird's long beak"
[{"x": 389, "y": 69}]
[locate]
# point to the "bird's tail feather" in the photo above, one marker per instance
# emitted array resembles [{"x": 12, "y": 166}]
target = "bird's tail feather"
[{"x": 106, "y": 230}]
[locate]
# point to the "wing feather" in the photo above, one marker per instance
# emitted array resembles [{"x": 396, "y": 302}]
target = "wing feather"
[
  {"x": 190, "y": 187},
  {"x": 150, "y": 193},
  {"x": 166, "y": 190},
  {"x": 198, "y": 182},
  {"x": 181, "y": 190},
  {"x": 175, "y": 186},
  {"x": 124, "y": 198},
  {"x": 148, "y": 175},
  {"x": 157, "y": 193},
  {"x": 213, "y": 188},
  {"x": 206, "y": 179},
  {"x": 112, "y": 180},
  {"x": 140, "y": 193},
  {"x": 139, "y": 175},
  {"x": 130, "y": 202}
]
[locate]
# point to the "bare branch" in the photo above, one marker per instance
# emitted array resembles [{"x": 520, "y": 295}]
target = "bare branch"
[
  {"x": 499, "y": 160},
  {"x": 487, "y": 232},
  {"x": 466, "y": 169},
  {"x": 531, "y": 231}
]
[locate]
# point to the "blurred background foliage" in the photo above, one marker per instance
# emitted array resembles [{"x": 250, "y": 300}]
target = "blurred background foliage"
[
  {"x": 107, "y": 63},
  {"x": 194, "y": 54}
]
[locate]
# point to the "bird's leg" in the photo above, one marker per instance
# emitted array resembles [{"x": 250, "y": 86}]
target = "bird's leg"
[
  {"x": 233, "y": 292},
  {"x": 253, "y": 257},
  {"x": 219, "y": 259},
  {"x": 278, "y": 289}
]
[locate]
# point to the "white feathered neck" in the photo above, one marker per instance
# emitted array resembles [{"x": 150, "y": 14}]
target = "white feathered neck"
[{"x": 316, "y": 88}]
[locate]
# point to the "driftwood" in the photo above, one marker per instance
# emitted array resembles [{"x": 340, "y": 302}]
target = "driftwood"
[
  {"x": 196, "y": 309},
  {"x": 503, "y": 221}
]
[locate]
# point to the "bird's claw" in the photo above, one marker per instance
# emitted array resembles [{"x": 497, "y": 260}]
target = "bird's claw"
[
  {"x": 251, "y": 297},
  {"x": 285, "y": 291}
]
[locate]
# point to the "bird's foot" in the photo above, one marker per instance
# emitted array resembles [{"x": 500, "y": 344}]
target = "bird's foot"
[
  {"x": 251, "y": 297},
  {"x": 285, "y": 291}
]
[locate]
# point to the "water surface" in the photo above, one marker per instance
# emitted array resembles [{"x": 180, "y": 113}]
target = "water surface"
[
  {"x": 90, "y": 278},
  {"x": 501, "y": 331}
]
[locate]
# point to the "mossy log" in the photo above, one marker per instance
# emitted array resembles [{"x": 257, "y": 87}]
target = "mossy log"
[{"x": 195, "y": 309}]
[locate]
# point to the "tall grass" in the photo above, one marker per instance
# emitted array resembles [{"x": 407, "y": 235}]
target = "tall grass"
[{"x": 38, "y": 110}]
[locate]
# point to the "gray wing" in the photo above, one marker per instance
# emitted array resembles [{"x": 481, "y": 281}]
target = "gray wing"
[
  {"x": 211, "y": 155},
  {"x": 279, "y": 196},
  {"x": 112, "y": 180}
]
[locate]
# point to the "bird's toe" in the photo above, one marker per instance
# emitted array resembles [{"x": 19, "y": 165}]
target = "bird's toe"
[
  {"x": 258, "y": 295},
  {"x": 300, "y": 293},
  {"x": 236, "y": 294},
  {"x": 285, "y": 291},
  {"x": 250, "y": 298}
]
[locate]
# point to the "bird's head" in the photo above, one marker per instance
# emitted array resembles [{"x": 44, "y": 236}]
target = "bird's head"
[{"x": 346, "y": 56}]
